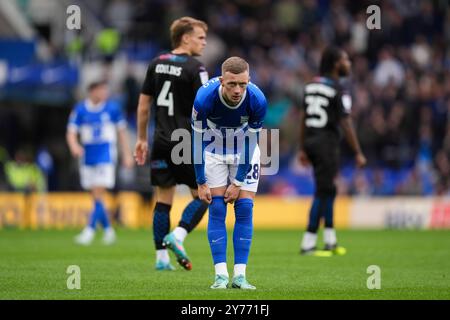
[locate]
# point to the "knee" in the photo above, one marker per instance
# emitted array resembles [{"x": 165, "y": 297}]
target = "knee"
[
  {"x": 217, "y": 208},
  {"x": 165, "y": 195},
  {"x": 98, "y": 193}
]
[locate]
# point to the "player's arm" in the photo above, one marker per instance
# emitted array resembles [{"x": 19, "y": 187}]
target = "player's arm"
[
  {"x": 74, "y": 146},
  {"x": 127, "y": 159},
  {"x": 199, "y": 127},
  {"x": 349, "y": 130},
  {"x": 302, "y": 154},
  {"x": 255, "y": 122},
  {"x": 204, "y": 193},
  {"x": 72, "y": 135},
  {"x": 350, "y": 135},
  {"x": 143, "y": 116},
  {"x": 122, "y": 133},
  {"x": 250, "y": 143}
]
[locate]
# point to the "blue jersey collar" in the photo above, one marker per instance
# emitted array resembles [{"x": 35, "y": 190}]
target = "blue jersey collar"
[
  {"x": 226, "y": 104},
  {"x": 91, "y": 107}
]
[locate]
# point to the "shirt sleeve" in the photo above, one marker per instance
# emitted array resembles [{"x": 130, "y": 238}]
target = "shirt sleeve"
[
  {"x": 344, "y": 102},
  {"x": 258, "y": 114},
  {"x": 200, "y": 77},
  {"x": 199, "y": 115},
  {"x": 148, "y": 88},
  {"x": 199, "y": 127},
  {"x": 118, "y": 117}
]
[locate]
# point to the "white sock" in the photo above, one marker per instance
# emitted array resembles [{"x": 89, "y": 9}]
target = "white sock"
[
  {"x": 162, "y": 255},
  {"x": 221, "y": 268},
  {"x": 180, "y": 233},
  {"x": 309, "y": 240},
  {"x": 329, "y": 236},
  {"x": 239, "y": 269}
]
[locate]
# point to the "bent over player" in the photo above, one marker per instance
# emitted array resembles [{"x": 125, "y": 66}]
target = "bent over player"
[{"x": 230, "y": 111}]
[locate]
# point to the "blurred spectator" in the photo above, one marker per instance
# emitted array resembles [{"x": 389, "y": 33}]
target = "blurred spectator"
[
  {"x": 23, "y": 175},
  {"x": 107, "y": 43},
  {"x": 119, "y": 15},
  {"x": 388, "y": 71}
]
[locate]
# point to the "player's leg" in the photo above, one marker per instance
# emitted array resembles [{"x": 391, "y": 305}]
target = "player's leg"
[
  {"x": 217, "y": 236},
  {"x": 104, "y": 178},
  {"x": 161, "y": 225},
  {"x": 327, "y": 192},
  {"x": 317, "y": 153},
  {"x": 191, "y": 217},
  {"x": 97, "y": 179},
  {"x": 163, "y": 181},
  {"x": 216, "y": 172},
  {"x": 325, "y": 159},
  {"x": 109, "y": 235},
  {"x": 243, "y": 227},
  {"x": 87, "y": 235},
  {"x": 192, "y": 214}
]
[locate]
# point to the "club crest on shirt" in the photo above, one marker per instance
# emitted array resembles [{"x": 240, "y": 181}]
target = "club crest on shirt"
[{"x": 244, "y": 119}]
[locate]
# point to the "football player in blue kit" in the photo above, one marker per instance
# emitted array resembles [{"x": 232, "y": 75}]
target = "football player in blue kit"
[
  {"x": 100, "y": 124},
  {"x": 229, "y": 110}
]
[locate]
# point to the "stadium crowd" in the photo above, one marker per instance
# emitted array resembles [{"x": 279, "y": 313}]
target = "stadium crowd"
[{"x": 400, "y": 82}]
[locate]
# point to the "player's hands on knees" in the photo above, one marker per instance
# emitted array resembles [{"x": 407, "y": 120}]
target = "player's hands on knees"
[
  {"x": 361, "y": 160},
  {"x": 204, "y": 193},
  {"x": 232, "y": 193},
  {"x": 140, "y": 152},
  {"x": 303, "y": 158}
]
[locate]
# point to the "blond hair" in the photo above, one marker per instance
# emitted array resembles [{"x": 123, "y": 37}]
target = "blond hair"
[
  {"x": 182, "y": 26},
  {"x": 235, "y": 65}
]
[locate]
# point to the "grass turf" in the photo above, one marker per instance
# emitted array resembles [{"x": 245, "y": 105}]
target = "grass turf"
[{"x": 414, "y": 265}]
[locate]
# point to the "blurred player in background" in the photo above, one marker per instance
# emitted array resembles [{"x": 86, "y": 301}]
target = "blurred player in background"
[
  {"x": 171, "y": 83},
  {"x": 100, "y": 124},
  {"x": 232, "y": 110},
  {"x": 327, "y": 106}
]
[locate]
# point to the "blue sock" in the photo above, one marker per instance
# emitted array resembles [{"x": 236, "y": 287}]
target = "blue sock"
[
  {"x": 102, "y": 214},
  {"x": 328, "y": 214},
  {"x": 161, "y": 223},
  {"x": 95, "y": 216},
  {"x": 243, "y": 230},
  {"x": 217, "y": 232},
  {"x": 314, "y": 215},
  {"x": 192, "y": 214}
]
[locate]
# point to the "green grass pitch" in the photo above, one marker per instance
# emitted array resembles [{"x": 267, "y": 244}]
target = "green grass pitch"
[{"x": 414, "y": 265}]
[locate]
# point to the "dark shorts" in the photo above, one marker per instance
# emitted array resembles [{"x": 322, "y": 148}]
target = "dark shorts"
[
  {"x": 165, "y": 173},
  {"x": 324, "y": 156}
]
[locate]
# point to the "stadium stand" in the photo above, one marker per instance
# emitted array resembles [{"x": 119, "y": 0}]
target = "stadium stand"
[{"x": 400, "y": 83}]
